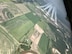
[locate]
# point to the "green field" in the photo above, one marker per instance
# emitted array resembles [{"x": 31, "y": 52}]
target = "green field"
[
  {"x": 6, "y": 42},
  {"x": 31, "y": 6},
  {"x": 32, "y": 17},
  {"x": 18, "y": 26},
  {"x": 42, "y": 24},
  {"x": 4, "y": 0},
  {"x": 3, "y": 33},
  {"x": 43, "y": 44},
  {"x": 60, "y": 38},
  {"x": 5, "y": 37},
  {"x": 52, "y": 34}
]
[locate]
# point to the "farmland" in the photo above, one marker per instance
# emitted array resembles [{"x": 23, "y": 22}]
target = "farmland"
[
  {"x": 4, "y": 0},
  {"x": 18, "y": 26}
]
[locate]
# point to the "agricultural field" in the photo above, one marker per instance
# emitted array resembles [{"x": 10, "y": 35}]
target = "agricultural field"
[
  {"x": 43, "y": 44},
  {"x": 4, "y": 0},
  {"x": 18, "y": 26},
  {"x": 33, "y": 17},
  {"x": 6, "y": 42},
  {"x": 8, "y": 10}
]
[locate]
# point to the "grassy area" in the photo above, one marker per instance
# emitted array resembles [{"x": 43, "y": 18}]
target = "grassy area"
[
  {"x": 28, "y": 6},
  {"x": 27, "y": 35},
  {"x": 18, "y": 26},
  {"x": 4, "y": 34},
  {"x": 34, "y": 18},
  {"x": 59, "y": 39},
  {"x": 42, "y": 24},
  {"x": 47, "y": 29},
  {"x": 43, "y": 44},
  {"x": 21, "y": 30},
  {"x": 4, "y": 0},
  {"x": 6, "y": 37},
  {"x": 52, "y": 33},
  {"x": 6, "y": 42},
  {"x": 31, "y": 6}
]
